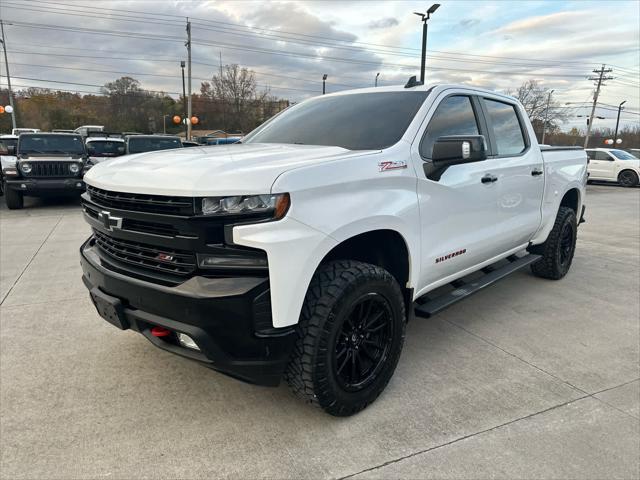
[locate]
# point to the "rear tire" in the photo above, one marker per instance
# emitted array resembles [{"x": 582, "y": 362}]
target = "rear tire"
[
  {"x": 350, "y": 336},
  {"x": 13, "y": 199},
  {"x": 628, "y": 178},
  {"x": 557, "y": 252}
]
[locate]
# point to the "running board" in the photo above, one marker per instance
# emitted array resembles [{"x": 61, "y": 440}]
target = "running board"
[{"x": 427, "y": 307}]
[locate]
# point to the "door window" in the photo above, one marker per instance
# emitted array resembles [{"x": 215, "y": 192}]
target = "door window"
[
  {"x": 602, "y": 156},
  {"x": 454, "y": 116},
  {"x": 506, "y": 127}
]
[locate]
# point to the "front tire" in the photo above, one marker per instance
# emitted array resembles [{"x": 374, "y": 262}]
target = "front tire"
[
  {"x": 557, "y": 252},
  {"x": 350, "y": 336},
  {"x": 628, "y": 178},
  {"x": 13, "y": 199}
]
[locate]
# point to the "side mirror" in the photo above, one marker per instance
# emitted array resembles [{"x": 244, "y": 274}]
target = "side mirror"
[
  {"x": 457, "y": 149},
  {"x": 11, "y": 150}
]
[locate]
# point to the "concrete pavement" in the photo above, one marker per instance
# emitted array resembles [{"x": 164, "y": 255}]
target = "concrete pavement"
[{"x": 526, "y": 379}]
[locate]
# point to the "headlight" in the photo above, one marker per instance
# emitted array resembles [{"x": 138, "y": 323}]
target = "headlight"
[
  {"x": 274, "y": 205},
  {"x": 74, "y": 168},
  {"x": 25, "y": 167}
]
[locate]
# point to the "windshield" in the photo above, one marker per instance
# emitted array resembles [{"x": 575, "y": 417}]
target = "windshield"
[
  {"x": 149, "y": 144},
  {"x": 105, "y": 148},
  {"x": 8, "y": 142},
  {"x": 60, "y": 144},
  {"x": 622, "y": 155},
  {"x": 359, "y": 121}
]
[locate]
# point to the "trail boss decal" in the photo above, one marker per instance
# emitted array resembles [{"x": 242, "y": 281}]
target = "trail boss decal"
[
  {"x": 384, "y": 166},
  {"x": 451, "y": 255}
]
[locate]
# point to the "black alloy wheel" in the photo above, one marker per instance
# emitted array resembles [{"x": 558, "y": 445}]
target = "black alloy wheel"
[
  {"x": 628, "y": 178},
  {"x": 363, "y": 342},
  {"x": 566, "y": 243}
]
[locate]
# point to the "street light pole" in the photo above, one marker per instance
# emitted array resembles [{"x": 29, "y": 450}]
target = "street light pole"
[
  {"x": 6, "y": 64},
  {"x": 425, "y": 18},
  {"x": 615, "y": 136},
  {"x": 324, "y": 79},
  {"x": 184, "y": 104},
  {"x": 546, "y": 116},
  {"x": 164, "y": 123},
  {"x": 377, "y": 75}
]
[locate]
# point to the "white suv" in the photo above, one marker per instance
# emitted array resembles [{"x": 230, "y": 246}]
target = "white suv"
[{"x": 613, "y": 165}]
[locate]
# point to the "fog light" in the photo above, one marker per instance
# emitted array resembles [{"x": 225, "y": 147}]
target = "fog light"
[
  {"x": 187, "y": 341},
  {"x": 79, "y": 184}
]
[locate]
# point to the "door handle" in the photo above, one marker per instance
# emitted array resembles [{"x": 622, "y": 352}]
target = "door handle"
[
  {"x": 488, "y": 178},
  {"x": 536, "y": 172}
]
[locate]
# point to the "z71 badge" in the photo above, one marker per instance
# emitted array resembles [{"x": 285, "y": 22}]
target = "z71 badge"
[{"x": 384, "y": 166}]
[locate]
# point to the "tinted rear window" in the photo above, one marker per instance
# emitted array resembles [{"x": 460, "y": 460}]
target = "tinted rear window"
[
  {"x": 51, "y": 144},
  {"x": 359, "y": 121},
  {"x": 148, "y": 144}
]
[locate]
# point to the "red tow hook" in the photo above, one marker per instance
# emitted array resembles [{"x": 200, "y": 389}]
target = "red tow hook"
[{"x": 160, "y": 332}]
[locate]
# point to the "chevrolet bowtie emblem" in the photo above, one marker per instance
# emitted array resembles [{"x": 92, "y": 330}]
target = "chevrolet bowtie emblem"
[{"x": 108, "y": 221}]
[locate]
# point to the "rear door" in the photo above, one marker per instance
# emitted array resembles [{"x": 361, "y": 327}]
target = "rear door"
[{"x": 520, "y": 171}]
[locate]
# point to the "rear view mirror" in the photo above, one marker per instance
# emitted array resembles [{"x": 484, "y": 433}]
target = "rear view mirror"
[
  {"x": 456, "y": 149},
  {"x": 11, "y": 150}
]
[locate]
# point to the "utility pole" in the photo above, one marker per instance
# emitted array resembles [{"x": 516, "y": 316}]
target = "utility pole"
[
  {"x": 324, "y": 81},
  {"x": 6, "y": 64},
  {"x": 546, "y": 116},
  {"x": 188, "y": 45},
  {"x": 376, "y": 82},
  {"x": 425, "y": 18},
  {"x": 600, "y": 78},
  {"x": 615, "y": 136},
  {"x": 224, "y": 101},
  {"x": 184, "y": 106}
]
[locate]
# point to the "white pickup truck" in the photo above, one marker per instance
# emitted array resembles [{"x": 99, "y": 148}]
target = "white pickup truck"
[{"x": 303, "y": 251}]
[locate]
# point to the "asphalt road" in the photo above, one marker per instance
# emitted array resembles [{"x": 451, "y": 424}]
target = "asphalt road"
[{"x": 526, "y": 379}]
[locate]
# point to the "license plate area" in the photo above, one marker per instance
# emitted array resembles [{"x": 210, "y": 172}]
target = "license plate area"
[{"x": 110, "y": 308}]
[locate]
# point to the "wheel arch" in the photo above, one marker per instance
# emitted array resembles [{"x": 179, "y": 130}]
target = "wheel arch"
[
  {"x": 571, "y": 199},
  {"x": 386, "y": 248}
]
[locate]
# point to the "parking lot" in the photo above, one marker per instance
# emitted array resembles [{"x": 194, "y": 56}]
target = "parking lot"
[{"x": 528, "y": 378}]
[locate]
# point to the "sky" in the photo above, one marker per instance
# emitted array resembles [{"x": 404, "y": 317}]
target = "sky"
[{"x": 81, "y": 44}]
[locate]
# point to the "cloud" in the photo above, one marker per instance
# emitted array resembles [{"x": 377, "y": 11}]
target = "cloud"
[
  {"x": 469, "y": 22},
  {"x": 387, "y": 22}
]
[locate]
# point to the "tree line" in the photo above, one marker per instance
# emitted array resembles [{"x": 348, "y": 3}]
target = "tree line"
[
  {"x": 232, "y": 102},
  {"x": 229, "y": 102}
]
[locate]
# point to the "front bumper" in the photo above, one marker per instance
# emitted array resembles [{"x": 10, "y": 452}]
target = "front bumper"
[
  {"x": 46, "y": 186},
  {"x": 222, "y": 315}
]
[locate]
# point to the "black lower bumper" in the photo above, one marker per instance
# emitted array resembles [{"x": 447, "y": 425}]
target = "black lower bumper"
[
  {"x": 219, "y": 314},
  {"x": 43, "y": 186}
]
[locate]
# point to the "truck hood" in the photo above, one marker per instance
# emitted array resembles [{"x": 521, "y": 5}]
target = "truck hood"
[{"x": 216, "y": 170}]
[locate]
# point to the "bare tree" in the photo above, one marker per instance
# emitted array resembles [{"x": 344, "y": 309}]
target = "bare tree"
[
  {"x": 534, "y": 98},
  {"x": 237, "y": 90}
]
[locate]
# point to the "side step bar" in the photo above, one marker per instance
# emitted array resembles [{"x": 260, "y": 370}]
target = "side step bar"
[{"x": 464, "y": 289}]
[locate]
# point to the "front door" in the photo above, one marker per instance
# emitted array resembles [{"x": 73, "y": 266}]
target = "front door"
[{"x": 458, "y": 211}]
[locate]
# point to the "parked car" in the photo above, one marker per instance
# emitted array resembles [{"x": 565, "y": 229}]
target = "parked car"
[
  {"x": 18, "y": 131},
  {"x": 187, "y": 143},
  {"x": 150, "y": 143},
  {"x": 101, "y": 148},
  {"x": 45, "y": 164},
  {"x": 223, "y": 140},
  {"x": 303, "y": 252},
  {"x": 613, "y": 165},
  {"x": 6, "y": 142},
  {"x": 85, "y": 130}
]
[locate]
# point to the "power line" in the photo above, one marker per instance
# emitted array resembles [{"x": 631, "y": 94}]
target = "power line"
[{"x": 559, "y": 63}]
